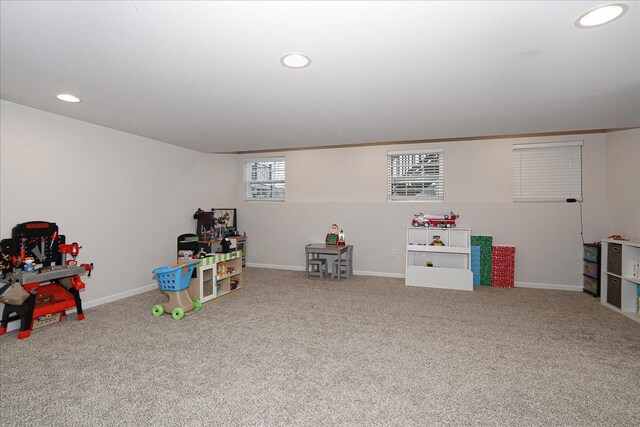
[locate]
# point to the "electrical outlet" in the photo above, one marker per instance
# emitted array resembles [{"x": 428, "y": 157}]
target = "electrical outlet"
[{"x": 394, "y": 252}]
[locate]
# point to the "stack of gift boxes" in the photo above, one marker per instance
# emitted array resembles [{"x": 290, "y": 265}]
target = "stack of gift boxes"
[{"x": 492, "y": 265}]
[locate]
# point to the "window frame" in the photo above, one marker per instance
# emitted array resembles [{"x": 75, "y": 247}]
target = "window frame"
[
  {"x": 440, "y": 186},
  {"x": 247, "y": 175}
]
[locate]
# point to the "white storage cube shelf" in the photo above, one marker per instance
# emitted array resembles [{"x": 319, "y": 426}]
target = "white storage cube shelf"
[
  {"x": 451, "y": 262},
  {"x": 629, "y": 282}
]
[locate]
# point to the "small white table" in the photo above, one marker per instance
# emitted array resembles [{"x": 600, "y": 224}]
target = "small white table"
[{"x": 314, "y": 249}]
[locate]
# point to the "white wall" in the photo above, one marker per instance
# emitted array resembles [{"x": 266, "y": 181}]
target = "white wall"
[
  {"x": 124, "y": 198},
  {"x": 623, "y": 166},
  {"x": 348, "y": 186}
]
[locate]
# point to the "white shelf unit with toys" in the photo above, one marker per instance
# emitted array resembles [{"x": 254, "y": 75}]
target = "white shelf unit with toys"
[
  {"x": 216, "y": 276},
  {"x": 451, "y": 263}
]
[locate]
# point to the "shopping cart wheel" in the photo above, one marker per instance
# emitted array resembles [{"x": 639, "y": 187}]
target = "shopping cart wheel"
[
  {"x": 197, "y": 305},
  {"x": 177, "y": 313},
  {"x": 157, "y": 310}
]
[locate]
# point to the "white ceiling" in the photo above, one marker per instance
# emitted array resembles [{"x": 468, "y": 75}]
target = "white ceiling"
[{"x": 208, "y": 76}]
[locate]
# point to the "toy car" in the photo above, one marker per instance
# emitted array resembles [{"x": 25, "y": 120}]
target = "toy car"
[
  {"x": 418, "y": 220},
  {"x": 441, "y": 221}
]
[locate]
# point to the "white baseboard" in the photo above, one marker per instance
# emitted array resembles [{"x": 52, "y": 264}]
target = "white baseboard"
[
  {"x": 275, "y": 267},
  {"x": 120, "y": 295},
  {"x": 12, "y": 326},
  {"x": 378, "y": 274},
  {"x": 552, "y": 286},
  {"x": 298, "y": 268},
  {"x": 401, "y": 276}
]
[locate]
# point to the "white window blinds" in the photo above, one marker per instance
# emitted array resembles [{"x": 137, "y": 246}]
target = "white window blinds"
[
  {"x": 547, "y": 172},
  {"x": 264, "y": 179},
  {"x": 415, "y": 175}
]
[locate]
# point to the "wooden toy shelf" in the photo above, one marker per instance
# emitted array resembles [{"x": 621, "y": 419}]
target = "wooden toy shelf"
[{"x": 207, "y": 285}]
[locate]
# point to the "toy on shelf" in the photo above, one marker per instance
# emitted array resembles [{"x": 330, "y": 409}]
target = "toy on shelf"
[
  {"x": 37, "y": 282},
  {"x": 174, "y": 281},
  {"x": 332, "y": 236},
  {"x": 436, "y": 241},
  {"x": 428, "y": 220},
  {"x": 418, "y": 220},
  {"x": 222, "y": 269},
  {"x": 225, "y": 245}
]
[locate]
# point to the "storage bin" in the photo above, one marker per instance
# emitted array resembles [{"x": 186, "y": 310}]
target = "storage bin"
[
  {"x": 614, "y": 258},
  {"x": 590, "y": 285},
  {"x": 614, "y": 291},
  {"x": 591, "y": 269},
  {"x": 590, "y": 253}
]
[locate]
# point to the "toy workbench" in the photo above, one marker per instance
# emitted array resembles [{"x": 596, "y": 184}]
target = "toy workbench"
[{"x": 37, "y": 282}]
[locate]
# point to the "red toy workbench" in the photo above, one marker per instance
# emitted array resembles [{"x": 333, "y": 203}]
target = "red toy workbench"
[{"x": 41, "y": 293}]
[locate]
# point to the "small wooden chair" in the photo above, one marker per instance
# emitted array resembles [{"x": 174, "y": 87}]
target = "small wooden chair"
[
  {"x": 317, "y": 268},
  {"x": 344, "y": 264}
]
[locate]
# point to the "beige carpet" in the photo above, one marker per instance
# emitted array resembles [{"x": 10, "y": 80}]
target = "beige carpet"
[{"x": 369, "y": 351}]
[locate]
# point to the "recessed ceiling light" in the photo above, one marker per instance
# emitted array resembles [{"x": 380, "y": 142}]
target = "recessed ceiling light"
[
  {"x": 601, "y": 15},
  {"x": 295, "y": 60},
  {"x": 67, "y": 97}
]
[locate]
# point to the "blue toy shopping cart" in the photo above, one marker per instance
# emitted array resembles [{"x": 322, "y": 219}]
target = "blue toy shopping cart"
[{"x": 174, "y": 280}]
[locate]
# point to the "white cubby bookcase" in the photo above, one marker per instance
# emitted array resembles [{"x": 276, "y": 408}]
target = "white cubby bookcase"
[
  {"x": 619, "y": 281},
  {"x": 451, "y": 263}
]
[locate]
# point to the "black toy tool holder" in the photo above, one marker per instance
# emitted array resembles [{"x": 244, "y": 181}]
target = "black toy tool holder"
[{"x": 39, "y": 240}]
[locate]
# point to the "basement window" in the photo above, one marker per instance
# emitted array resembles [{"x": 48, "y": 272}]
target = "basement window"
[
  {"x": 547, "y": 172},
  {"x": 264, "y": 179},
  {"x": 416, "y": 175}
]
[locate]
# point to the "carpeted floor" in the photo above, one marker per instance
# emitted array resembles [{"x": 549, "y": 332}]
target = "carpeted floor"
[{"x": 369, "y": 351}]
